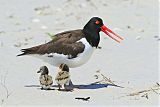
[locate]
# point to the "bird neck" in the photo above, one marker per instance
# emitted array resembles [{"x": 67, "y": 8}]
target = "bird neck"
[{"x": 92, "y": 37}]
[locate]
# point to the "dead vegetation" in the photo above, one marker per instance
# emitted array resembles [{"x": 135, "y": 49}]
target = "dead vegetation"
[
  {"x": 3, "y": 98},
  {"x": 144, "y": 93},
  {"x": 104, "y": 80},
  {"x": 82, "y": 98}
]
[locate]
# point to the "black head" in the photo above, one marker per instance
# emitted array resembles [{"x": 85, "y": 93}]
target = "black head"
[
  {"x": 64, "y": 67},
  {"x": 95, "y": 23},
  {"x": 43, "y": 70},
  {"x": 92, "y": 29}
]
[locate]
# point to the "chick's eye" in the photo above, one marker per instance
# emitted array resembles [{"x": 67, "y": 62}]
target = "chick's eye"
[{"x": 97, "y": 22}]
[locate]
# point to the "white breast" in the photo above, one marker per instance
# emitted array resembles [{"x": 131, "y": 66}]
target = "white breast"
[{"x": 81, "y": 58}]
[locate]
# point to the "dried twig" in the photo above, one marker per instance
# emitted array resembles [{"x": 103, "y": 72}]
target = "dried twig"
[
  {"x": 143, "y": 91},
  {"x": 84, "y": 99},
  {"x": 105, "y": 80},
  {"x": 3, "y": 84},
  {"x": 145, "y": 95},
  {"x": 155, "y": 91}
]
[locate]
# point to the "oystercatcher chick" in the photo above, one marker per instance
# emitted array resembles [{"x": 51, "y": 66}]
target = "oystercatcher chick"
[
  {"x": 74, "y": 47},
  {"x": 63, "y": 76},
  {"x": 45, "y": 79}
]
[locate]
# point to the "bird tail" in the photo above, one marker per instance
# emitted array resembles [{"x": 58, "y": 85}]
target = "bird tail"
[
  {"x": 27, "y": 51},
  {"x": 24, "y": 52}
]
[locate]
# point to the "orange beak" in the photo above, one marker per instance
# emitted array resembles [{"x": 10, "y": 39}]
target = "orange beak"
[{"x": 107, "y": 31}]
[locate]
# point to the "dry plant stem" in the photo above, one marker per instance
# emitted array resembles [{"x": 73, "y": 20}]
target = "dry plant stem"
[
  {"x": 107, "y": 80},
  {"x": 155, "y": 91},
  {"x": 139, "y": 92},
  {"x": 143, "y": 91},
  {"x": 145, "y": 95},
  {"x": 3, "y": 84}
]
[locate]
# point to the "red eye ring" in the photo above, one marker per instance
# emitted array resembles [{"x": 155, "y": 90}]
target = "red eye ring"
[{"x": 97, "y": 22}]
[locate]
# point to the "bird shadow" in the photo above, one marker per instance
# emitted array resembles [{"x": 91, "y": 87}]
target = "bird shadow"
[
  {"x": 94, "y": 86},
  {"x": 91, "y": 86},
  {"x": 83, "y": 86}
]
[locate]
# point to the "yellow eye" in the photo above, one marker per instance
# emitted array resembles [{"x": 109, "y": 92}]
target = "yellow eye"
[{"x": 97, "y": 22}]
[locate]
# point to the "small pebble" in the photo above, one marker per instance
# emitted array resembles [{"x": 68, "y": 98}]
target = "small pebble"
[
  {"x": 69, "y": 0},
  {"x": 96, "y": 76},
  {"x": 105, "y": 4},
  {"x": 156, "y": 36},
  {"x": 2, "y": 32},
  {"x": 142, "y": 30},
  {"x": 99, "y": 47},
  {"x": 10, "y": 16},
  {"x": 41, "y": 8},
  {"x": 158, "y": 39},
  {"x": 26, "y": 39},
  {"x": 128, "y": 27}
]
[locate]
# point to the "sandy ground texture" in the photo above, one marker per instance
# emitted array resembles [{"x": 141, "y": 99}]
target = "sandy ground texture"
[{"x": 133, "y": 64}]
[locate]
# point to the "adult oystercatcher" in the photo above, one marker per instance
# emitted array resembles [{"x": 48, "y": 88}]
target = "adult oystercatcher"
[{"x": 74, "y": 47}]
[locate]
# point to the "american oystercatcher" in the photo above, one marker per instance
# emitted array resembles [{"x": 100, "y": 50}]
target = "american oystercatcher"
[
  {"x": 45, "y": 79},
  {"x": 74, "y": 47}
]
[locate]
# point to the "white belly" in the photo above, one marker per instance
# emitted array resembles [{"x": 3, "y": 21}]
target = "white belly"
[{"x": 81, "y": 58}]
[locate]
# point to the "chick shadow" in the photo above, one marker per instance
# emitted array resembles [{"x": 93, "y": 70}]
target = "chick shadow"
[{"x": 38, "y": 87}]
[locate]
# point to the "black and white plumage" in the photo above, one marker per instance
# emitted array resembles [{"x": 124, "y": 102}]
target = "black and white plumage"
[
  {"x": 74, "y": 47},
  {"x": 45, "y": 79},
  {"x": 63, "y": 76}
]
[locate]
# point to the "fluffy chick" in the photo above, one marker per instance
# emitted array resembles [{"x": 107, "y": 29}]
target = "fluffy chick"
[
  {"x": 63, "y": 76},
  {"x": 45, "y": 79}
]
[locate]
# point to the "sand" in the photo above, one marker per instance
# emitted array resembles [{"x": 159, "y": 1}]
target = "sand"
[{"x": 132, "y": 64}]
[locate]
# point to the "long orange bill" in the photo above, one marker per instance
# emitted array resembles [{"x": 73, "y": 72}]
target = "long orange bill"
[{"x": 107, "y": 31}]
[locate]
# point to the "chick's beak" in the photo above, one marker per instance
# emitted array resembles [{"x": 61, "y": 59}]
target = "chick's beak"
[{"x": 39, "y": 71}]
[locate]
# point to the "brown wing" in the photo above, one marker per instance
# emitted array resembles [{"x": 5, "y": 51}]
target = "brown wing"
[{"x": 63, "y": 43}]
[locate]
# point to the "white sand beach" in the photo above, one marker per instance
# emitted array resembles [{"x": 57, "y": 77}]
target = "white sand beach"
[{"x": 132, "y": 64}]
